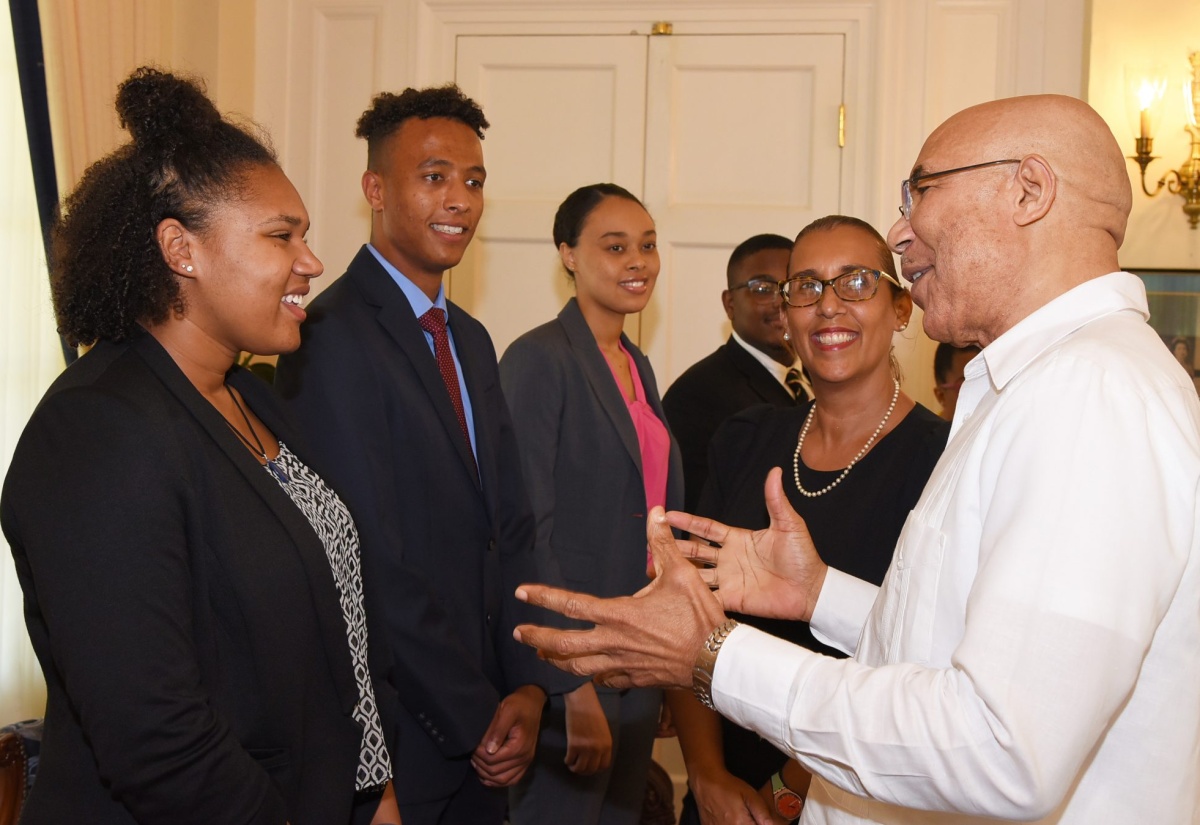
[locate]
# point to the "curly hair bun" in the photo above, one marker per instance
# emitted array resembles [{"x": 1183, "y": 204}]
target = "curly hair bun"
[{"x": 160, "y": 109}]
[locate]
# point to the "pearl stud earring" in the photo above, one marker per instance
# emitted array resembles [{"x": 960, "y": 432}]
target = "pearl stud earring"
[{"x": 188, "y": 268}]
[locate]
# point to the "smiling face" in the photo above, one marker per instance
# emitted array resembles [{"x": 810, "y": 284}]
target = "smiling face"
[
  {"x": 615, "y": 261},
  {"x": 758, "y": 319},
  {"x": 951, "y": 245},
  {"x": 841, "y": 340},
  {"x": 427, "y": 197},
  {"x": 986, "y": 247},
  {"x": 251, "y": 267}
]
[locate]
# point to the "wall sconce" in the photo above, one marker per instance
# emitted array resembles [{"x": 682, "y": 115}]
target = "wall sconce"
[{"x": 1144, "y": 95}]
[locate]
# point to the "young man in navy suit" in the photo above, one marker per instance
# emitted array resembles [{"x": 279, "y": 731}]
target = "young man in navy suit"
[
  {"x": 400, "y": 390},
  {"x": 753, "y": 367}
]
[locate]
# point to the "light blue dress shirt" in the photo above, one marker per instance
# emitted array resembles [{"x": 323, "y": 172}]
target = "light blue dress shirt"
[{"x": 420, "y": 305}]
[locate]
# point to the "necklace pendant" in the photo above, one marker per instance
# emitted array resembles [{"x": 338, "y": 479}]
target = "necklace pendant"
[{"x": 277, "y": 471}]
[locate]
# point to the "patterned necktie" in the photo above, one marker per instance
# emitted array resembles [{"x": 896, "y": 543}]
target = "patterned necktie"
[
  {"x": 798, "y": 384},
  {"x": 434, "y": 322}
]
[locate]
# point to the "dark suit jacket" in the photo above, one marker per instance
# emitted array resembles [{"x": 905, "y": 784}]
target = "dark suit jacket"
[
  {"x": 181, "y": 606},
  {"x": 582, "y": 461},
  {"x": 441, "y": 557},
  {"x": 714, "y": 388}
]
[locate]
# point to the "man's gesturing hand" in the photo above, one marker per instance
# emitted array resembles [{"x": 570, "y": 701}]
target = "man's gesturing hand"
[
  {"x": 650, "y": 638},
  {"x": 774, "y": 572}
]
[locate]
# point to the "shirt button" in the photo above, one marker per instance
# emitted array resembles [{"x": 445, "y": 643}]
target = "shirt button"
[{"x": 491, "y": 544}]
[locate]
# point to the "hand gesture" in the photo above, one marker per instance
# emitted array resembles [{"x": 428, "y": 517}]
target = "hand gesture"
[
  {"x": 774, "y": 573},
  {"x": 648, "y": 639}
]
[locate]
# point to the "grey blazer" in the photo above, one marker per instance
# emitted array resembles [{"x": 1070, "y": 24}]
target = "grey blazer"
[{"x": 580, "y": 456}]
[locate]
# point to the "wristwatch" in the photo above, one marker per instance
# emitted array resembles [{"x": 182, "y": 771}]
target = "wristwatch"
[
  {"x": 706, "y": 662},
  {"x": 788, "y": 803}
]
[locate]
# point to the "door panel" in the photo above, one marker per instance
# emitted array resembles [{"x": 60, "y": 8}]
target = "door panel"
[
  {"x": 565, "y": 111},
  {"x": 724, "y": 136},
  {"x": 741, "y": 139}
]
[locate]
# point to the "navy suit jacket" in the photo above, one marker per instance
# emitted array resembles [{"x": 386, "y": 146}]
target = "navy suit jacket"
[
  {"x": 708, "y": 392},
  {"x": 582, "y": 458},
  {"x": 181, "y": 606},
  {"x": 442, "y": 548}
]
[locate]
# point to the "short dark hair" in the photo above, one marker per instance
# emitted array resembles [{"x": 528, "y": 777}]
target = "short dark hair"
[
  {"x": 943, "y": 357},
  {"x": 107, "y": 273},
  {"x": 886, "y": 262},
  {"x": 389, "y": 111},
  {"x": 573, "y": 212},
  {"x": 752, "y": 246}
]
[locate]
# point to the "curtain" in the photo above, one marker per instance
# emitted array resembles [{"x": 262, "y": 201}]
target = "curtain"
[{"x": 30, "y": 358}]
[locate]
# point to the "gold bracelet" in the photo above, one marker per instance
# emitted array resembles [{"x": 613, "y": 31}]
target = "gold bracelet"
[{"x": 706, "y": 662}]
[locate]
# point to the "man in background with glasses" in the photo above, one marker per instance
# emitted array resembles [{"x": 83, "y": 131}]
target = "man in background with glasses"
[
  {"x": 755, "y": 366},
  {"x": 1034, "y": 651}
]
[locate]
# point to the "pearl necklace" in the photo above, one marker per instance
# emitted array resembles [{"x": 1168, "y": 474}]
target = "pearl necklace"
[{"x": 804, "y": 431}]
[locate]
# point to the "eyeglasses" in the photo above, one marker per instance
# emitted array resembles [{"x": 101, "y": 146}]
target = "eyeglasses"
[
  {"x": 855, "y": 285},
  {"x": 762, "y": 289},
  {"x": 907, "y": 185}
]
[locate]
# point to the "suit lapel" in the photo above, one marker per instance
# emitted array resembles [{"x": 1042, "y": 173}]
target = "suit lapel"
[
  {"x": 600, "y": 376},
  {"x": 308, "y": 546},
  {"x": 397, "y": 319},
  {"x": 471, "y": 355},
  {"x": 759, "y": 379}
]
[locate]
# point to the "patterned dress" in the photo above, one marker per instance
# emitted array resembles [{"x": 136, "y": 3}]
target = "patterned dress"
[{"x": 333, "y": 525}]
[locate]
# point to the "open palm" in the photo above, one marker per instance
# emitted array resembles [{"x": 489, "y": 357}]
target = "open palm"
[{"x": 775, "y": 573}]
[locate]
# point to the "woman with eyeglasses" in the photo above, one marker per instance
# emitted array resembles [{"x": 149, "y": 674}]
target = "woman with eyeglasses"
[
  {"x": 855, "y": 461},
  {"x": 596, "y": 455}
]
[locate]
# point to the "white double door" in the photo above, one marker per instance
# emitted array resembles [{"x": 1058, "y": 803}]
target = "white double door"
[{"x": 722, "y": 136}]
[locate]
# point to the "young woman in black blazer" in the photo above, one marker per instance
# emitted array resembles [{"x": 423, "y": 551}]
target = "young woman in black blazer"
[
  {"x": 597, "y": 456},
  {"x": 192, "y": 588}
]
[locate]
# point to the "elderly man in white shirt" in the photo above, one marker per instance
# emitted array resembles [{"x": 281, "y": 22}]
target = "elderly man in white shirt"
[{"x": 1034, "y": 652}]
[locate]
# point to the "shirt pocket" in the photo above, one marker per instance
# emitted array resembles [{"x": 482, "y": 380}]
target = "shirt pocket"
[{"x": 902, "y": 621}]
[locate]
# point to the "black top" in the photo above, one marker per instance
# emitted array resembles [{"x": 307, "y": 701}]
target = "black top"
[
  {"x": 854, "y": 526},
  {"x": 181, "y": 606},
  {"x": 715, "y": 387}
]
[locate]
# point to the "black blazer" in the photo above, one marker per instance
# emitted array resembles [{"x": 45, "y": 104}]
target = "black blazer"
[
  {"x": 441, "y": 555},
  {"x": 582, "y": 461},
  {"x": 181, "y": 606},
  {"x": 708, "y": 392}
]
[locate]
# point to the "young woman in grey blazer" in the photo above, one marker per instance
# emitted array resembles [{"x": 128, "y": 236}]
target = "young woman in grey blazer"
[{"x": 597, "y": 456}]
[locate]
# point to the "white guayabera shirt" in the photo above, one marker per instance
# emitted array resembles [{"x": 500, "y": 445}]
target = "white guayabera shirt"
[{"x": 1034, "y": 651}]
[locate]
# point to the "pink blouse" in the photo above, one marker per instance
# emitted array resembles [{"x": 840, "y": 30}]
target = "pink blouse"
[{"x": 654, "y": 441}]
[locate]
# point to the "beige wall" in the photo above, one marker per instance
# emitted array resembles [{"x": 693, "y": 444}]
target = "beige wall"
[
  {"x": 91, "y": 45},
  {"x": 1152, "y": 32}
]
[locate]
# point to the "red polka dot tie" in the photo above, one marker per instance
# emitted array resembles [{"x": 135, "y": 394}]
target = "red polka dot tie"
[{"x": 434, "y": 322}]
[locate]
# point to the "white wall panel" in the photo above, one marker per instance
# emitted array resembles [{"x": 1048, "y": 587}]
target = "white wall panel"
[
  {"x": 344, "y": 82},
  {"x": 970, "y": 56},
  {"x": 741, "y": 138}
]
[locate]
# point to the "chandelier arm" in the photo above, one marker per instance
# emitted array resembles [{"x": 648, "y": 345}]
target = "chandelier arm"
[
  {"x": 1174, "y": 186},
  {"x": 1161, "y": 183}
]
